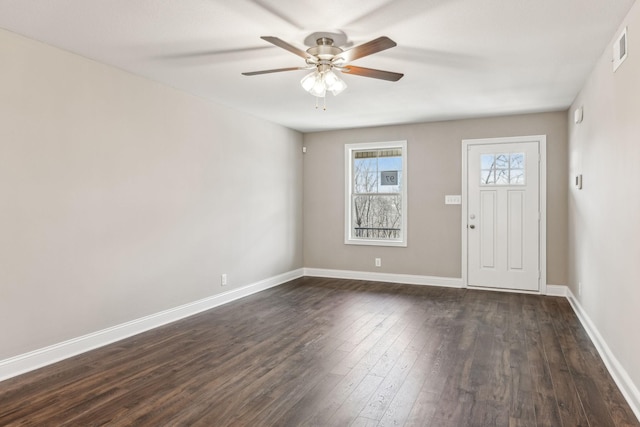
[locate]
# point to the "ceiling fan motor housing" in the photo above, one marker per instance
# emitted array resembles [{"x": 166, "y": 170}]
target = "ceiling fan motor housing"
[{"x": 325, "y": 50}]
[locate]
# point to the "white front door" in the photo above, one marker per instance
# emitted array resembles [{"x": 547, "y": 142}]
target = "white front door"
[{"x": 503, "y": 215}]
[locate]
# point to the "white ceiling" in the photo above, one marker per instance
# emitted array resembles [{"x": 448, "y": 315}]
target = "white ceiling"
[{"x": 461, "y": 58}]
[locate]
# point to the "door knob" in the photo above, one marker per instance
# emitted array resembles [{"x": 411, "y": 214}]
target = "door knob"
[{"x": 472, "y": 226}]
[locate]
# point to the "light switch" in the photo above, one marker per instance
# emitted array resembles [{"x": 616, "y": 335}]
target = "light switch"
[{"x": 452, "y": 199}]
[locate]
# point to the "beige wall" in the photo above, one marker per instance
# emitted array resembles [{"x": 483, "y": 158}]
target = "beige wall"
[
  {"x": 121, "y": 197},
  {"x": 434, "y": 163},
  {"x": 604, "y": 217}
]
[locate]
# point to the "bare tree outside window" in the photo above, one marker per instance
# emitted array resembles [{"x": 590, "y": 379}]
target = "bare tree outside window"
[
  {"x": 377, "y": 202},
  {"x": 502, "y": 169}
]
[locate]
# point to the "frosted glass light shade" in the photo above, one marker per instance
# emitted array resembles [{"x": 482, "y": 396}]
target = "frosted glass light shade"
[
  {"x": 309, "y": 80},
  {"x": 319, "y": 89},
  {"x": 318, "y": 83},
  {"x": 314, "y": 84},
  {"x": 334, "y": 83}
]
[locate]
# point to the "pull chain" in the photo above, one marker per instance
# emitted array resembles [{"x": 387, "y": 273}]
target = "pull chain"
[{"x": 324, "y": 103}]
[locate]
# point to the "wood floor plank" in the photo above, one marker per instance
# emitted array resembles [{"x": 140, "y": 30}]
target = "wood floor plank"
[
  {"x": 352, "y": 406},
  {"x": 364, "y": 422},
  {"x": 522, "y": 409},
  {"x": 388, "y": 388},
  {"x": 595, "y": 384},
  {"x": 325, "y": 352},
  {"x": 411, "y": 400},
  {"x": 305, "y": 409},
  {"x": 571, "y": 408},
  {"x": 421, "y": 414},
  {"x": 547, "y": 413},
  {"x": 587, "y": 390},
  {"x": 334, "y": 398},
  {"x": 391, "y": 354}
]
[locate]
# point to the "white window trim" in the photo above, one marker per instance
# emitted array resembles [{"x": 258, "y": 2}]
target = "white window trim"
[{"x": 348, "y": 150}]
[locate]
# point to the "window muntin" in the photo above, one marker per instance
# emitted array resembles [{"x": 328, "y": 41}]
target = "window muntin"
[
  {"x": 376, "y": 194},
  {"x": 502, "y": 169}
]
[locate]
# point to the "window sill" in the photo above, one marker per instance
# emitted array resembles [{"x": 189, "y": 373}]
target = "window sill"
[{"x": 363, "y": 242}]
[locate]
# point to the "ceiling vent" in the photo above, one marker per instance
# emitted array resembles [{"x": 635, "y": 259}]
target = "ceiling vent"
[{"x": 620, "y": 49}]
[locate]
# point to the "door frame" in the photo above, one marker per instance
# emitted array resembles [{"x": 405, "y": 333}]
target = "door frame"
[{"x": 542, "y": 203}]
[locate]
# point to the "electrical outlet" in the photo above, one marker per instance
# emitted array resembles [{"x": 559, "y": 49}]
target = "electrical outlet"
[
  {"x": 378, "y": 262},
  {"x": 223, "y": 280}
]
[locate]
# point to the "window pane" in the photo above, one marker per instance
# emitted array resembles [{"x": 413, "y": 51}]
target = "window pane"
[
  {"x": 390, "y": 163},
  {"x": 366, "y": 182},
  {"x": 486, "y": 161},
  {"x": 487, "y": 177},
  {"x": 517, "y": 176},
  {"x": 502, "y": 161},
  {"x": 365, "y": 175},
  {"x": 366, "y": 164},
  {"x": 377, "y": 216},
  {"x": 502, "y": 169},
  {"x": 390, "y": 167},
  {"x": 517, "y": 161},
  {"x": 369, "y": 171},
  {"x": 502, "y": 176}
]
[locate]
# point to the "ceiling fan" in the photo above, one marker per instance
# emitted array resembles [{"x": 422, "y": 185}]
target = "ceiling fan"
[{"x": 324, "y": 57}]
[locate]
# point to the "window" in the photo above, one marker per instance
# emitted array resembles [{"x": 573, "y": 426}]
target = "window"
[
  {"x": 376, "y": 194},
  {"x": 502, "y": 169}
]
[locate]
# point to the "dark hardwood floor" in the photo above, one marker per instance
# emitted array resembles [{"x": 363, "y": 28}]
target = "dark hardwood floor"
[{"x": 325, "y": 352}]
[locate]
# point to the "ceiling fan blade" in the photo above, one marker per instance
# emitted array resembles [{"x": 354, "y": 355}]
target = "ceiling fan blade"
[
  {"x": 284, "y": 45},
  {"x": 369, "y": 48},
  {"x": 370, "y": 72},
  {"x": 275, "y": 70}
]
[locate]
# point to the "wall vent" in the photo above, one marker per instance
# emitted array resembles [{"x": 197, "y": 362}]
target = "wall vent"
[{"x": 620, "y": 49}]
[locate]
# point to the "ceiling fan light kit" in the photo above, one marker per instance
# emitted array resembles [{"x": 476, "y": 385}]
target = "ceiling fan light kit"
[
  {"x": 318, "y": 83},
  {"x": 324, "y": 58}
]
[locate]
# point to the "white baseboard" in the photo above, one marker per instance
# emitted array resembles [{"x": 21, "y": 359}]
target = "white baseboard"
[
  {"x": 619, "y": 374},
  {"x": 408, "y": 279},
  {"x": 45, "y": 356},
  {"x": 450, "y": 282},
  {"x": 557, "y": 291}
]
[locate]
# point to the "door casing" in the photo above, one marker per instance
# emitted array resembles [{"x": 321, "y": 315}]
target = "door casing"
[{"x": 542, "y": 256}]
